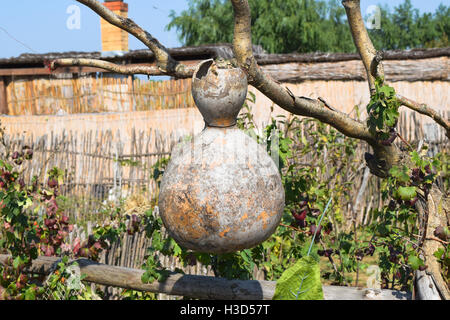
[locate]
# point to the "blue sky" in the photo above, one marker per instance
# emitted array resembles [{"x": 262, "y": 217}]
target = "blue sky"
[{"x": 41, "y": 25}]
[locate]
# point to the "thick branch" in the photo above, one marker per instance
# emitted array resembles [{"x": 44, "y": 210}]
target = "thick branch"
[
  {"x": 424, "y": 109},
  {"x": 367, "y": 51},
  {"x": 242, "y": 46},
  {"x": 122, "y": 69},
  {"x": 163, "y": 59}
]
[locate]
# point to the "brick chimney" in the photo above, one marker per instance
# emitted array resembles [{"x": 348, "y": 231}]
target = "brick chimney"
[{"x": 114, "y": 40}]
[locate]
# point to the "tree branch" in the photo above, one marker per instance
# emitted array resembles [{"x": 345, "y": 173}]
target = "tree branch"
[
  {"x": 105, "y": 65},
  {"x": 372, "y": 60},
  {"x": 164, "y": 61},
  {"x": 121, "y": 69},
  {"x": 242, "y": 46},
  {"x": 367, "y": 51},
  {"x": 424, "y": 109}
]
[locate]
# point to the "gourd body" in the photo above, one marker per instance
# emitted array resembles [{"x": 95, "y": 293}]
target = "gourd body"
[{"x": 221, "y": 192}]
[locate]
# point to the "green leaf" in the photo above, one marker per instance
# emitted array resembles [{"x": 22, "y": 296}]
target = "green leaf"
[
  {"x": 156, "y": 241},
  {"x": 29, "y": 294},
  {"x": 406, "y": 193},
  {"x": 145, "y": 277},
  {"x": 401, "y": 174},
  {"x": 387, "y": 90},
  {"x": 300, "y": 282},
  {"x": 416, "y": 158},
  {"x": 415, "y": 262},
  {"x": 177, "y": 250},
  {"x": 16, "y": 262},
  {"x": 391, "y": 117},
  {"x": 382, "y": 230},
  {"x": 439, "y": 253}
]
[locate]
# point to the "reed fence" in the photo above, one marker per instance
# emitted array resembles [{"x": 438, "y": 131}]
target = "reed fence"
[
  {"x": 74, "y": 94},
  {"x": 106, "y": 165},
  {"x": 97, "y": 167},
  {"x": 109, "y": 164},
  {"x": 100, "y": 93}
]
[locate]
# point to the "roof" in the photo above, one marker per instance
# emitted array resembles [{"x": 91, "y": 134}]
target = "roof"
[
  {"x": 399, "y": 65},
  {"x": 28, "y": 60},
  {"x": 133, "y": 56}
]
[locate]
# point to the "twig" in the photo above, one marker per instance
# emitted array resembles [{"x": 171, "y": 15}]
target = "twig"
[
  {"x": 318, "y": 225},
  {"x": 437, "y": 239},
  {"x": 326, "y": 104},
  {"x": 404, "y": 141},
  {"x": 330, "y": 258},
  {"x": 292, "y": 227},
  {"x": 164, "y": 60}
]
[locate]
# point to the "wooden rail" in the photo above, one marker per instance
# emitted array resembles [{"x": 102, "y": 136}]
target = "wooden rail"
[{"x": 201, "y": 287}]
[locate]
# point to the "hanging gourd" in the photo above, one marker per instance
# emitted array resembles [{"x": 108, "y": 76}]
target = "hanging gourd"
[{"x": 221, "y": 192}]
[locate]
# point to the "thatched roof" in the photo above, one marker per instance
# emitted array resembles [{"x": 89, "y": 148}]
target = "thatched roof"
[
  {"x": 28, "y": 60},
  {"x": 133, "y": 56}
]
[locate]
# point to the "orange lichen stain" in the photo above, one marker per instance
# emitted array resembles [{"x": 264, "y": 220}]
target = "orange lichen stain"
[
  {"x": 224, "y": 232},
  {"x": 245, "y": 216},
  {"x": 188, "y": 219},
  {"x": 273, "y": 213},
  {"x": 264, "y": 217}
]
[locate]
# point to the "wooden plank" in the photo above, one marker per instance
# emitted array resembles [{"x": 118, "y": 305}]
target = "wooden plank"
[
  {"x": 3, "y": 96},
  {"x": 425, "y": 287},
  {"x": 202, "y": 287}
]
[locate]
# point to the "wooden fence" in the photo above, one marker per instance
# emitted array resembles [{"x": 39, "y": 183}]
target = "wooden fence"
[
  {"x": 102, "y": 165},
  {"x": 97, "y": 166},
  {"x": 72, "y": 94},
  {"x": 101, "y": 93}
]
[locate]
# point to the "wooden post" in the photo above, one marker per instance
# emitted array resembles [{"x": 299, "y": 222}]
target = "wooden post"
[
  {"x": 3, "y": 97},
  {"x": 201, "y": 287}
]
